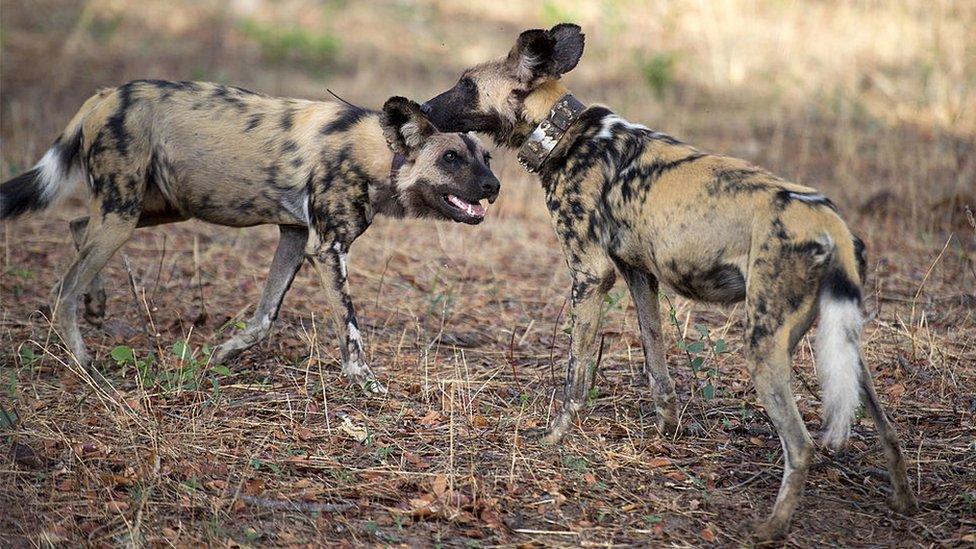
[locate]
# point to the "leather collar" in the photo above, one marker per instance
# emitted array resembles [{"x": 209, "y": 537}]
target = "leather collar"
[{"x": 541, "y": 142}]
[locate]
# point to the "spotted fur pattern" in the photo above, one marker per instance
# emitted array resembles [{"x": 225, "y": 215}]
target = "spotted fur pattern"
[
  {"x": 625, "y": 198},
  {"x": 156, "y": 152}
]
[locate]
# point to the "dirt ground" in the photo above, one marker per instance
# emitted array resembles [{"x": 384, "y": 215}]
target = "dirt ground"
[{"x": 869, "y": 102}]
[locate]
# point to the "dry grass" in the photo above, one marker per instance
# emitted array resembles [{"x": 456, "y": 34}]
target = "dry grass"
[{"x": 871, "y": 104}]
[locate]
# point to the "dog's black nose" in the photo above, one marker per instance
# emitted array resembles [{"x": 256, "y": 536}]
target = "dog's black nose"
[
  {"x": 490, "y": 186},
  {"x": 425, "y": 108}
]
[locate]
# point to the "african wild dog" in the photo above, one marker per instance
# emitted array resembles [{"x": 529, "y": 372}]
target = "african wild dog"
[
  {"x": 714, "y": 228},
  {"x": 157, "y": 152}
]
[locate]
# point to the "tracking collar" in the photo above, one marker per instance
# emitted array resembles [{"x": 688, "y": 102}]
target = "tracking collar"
[{"x": 544, "y": 138}]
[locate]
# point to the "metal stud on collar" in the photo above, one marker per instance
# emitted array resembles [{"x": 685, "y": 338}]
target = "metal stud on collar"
[{"x": 543, "y": 140}]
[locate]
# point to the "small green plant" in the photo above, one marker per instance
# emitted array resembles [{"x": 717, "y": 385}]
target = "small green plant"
[
  {"x": 28, "y": 357},
  {"x": 658, "y": 72},
  {"x": 124, "y": 356},
  {"x": 697, "y": 352},
  {"x": 576, "y": 463},
  {"x": 21, "y": 272},
  {"x": 613, "y": 300},
  {"x": 592, "y": 395},
  {"x": 652, "y": 519},
  {"x": 384, "y": 452},
  {"x": 184, "y": 377},
  {"x": 257, "y": 465}
]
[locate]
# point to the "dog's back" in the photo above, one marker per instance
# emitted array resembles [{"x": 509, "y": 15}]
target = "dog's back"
[{"x": 218, "y": 153}]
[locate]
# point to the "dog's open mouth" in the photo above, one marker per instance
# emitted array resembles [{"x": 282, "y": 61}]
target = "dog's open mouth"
[{"x": 467, "y": 212}]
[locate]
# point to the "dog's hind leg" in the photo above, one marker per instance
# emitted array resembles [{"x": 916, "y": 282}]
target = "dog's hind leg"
[
  {"x": 95, "y": 294},
  {"x": 104, "y": 237},
  {"x": 644, "y": 290},
  {"x": 902, "y": 498},
  {"x": 781, "y": 304},
  {"x": 287, "y": 260}
]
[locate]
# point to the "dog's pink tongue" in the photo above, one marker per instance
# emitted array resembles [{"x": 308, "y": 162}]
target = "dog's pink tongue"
[{"x": 474, "y": 210}]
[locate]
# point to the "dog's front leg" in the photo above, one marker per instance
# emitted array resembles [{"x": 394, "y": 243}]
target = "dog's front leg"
[
  {"x": 330, "y": 264},
  {"x": 586, "y": 316}
]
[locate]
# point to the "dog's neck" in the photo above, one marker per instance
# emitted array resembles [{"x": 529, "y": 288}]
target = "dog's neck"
[
  {"x": 382, "y": 166},
  {"x": 550, "y": 110}
]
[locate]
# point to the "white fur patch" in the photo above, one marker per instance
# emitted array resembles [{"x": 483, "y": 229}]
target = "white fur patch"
[
  {"x": 354, "y": 334},
  {"x": 54, "y": 178},
  {"x": 611, "y": 120},
  {"x": 337, "y": 248},
  {"x": 810, "y": 198},
  {"x": 411, "y": 134},
  {"x": 839, "y": 366}
]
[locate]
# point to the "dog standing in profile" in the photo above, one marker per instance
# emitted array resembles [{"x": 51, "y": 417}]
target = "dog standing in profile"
[
  {"x": 155, "y": 152},
  {"x": 715, "y": 229}
]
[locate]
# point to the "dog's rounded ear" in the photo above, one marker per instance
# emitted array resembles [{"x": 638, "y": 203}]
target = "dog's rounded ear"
[
  {"x": 569, "y": 46},
  {"x": 405, "y": 126},
  {"x": 532, "y": 54},
  {"x": 541, "y": 55}
]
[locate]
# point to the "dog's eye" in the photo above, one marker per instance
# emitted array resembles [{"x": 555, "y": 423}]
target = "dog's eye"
[
  {"x": 487, "y": 159},
  {"x": 450, "y": 156},
  {"x": 467, "y": 84}
]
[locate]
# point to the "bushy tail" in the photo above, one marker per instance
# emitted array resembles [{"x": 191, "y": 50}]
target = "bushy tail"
[
  {"x": 53, "y": 176},
  {"x": 838, "y": 345}
]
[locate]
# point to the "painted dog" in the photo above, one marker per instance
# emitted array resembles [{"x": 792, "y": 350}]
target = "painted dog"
[
  {"x": 155, "y": 152},
  {"x": 715, "y": 229}
]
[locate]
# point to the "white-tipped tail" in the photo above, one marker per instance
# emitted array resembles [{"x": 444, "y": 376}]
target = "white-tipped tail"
[
  {"x": 838, "y": 365},
  {"x": 57, "y": 174}
]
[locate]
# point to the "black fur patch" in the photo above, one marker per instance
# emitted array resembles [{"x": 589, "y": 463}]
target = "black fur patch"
[
  {"x": 861, "y": 254},
  {"x": 287, "y": 119},
  {"x": 346, "y": 119},
  {"x": 838, "y": 285},
  {"x": 116, "y": 122},
  {"x": 736, "y": 181},
  {"x": 20, "y": 195},
  {"x": 253, "y": 121},
  {"x": 722, "y": 283},
  {"x": 169, "y": 85}
]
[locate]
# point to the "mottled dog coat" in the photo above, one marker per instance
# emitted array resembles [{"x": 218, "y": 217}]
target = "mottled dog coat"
[
  {"x": 156, "y": 152},
  {"x": 716, "y": 229}
]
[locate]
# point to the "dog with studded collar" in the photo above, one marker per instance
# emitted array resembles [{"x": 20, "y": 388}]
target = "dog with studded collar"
[{"x": 624, "y": 198}]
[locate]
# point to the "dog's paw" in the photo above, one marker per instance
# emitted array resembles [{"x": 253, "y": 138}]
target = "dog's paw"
[
  {"x": 668, "y": 427},
  {"x": 362, "y": 377},
  {"x": 905, "y": 504},
  {"x": 770, "y": 530},
  {"x": 225, "y": 352}
]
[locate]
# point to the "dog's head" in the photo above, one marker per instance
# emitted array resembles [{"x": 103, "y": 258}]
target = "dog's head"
[
  {"x": 441, "y": 175},
  {"x": 495, "y": 97}
]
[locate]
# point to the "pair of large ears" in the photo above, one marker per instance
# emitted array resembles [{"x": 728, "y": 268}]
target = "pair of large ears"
[
  {"x": 541, "y": 55},
  {"x": 405, "y": 126}
]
